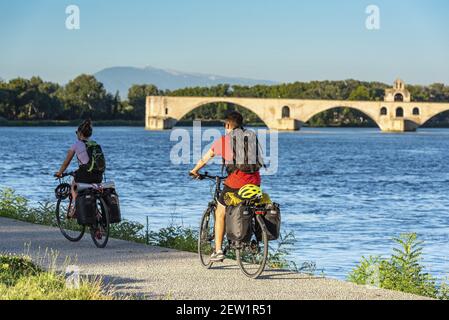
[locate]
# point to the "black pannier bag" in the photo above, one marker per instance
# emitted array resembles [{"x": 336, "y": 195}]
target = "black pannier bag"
[
  {"x": 113, "y": 204},
  {"x": 238, "y": 223},
  {"x": 86, "y": 208},
  {"x": 272, "y": 219}
]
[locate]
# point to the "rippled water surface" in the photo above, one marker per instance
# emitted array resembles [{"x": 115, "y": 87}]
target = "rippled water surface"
[{"x": 344, "y": 192}]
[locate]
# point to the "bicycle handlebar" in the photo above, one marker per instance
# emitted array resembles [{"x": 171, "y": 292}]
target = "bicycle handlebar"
[
  {"x": 66, "y": 174},
  {"x": 207, "y": 176}
]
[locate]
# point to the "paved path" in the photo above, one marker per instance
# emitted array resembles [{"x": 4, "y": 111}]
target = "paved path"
[{"x": 157, "y": 273}]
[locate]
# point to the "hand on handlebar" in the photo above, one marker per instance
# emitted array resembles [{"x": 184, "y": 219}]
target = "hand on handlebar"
[
  {"x": 195, "y": 175},
  {"x": 60, "y": 175}
]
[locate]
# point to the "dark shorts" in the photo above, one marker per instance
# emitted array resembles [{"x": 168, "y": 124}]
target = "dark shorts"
[
  {"x": 223, "y": 193},
  {"x": 83, "y": 176}
]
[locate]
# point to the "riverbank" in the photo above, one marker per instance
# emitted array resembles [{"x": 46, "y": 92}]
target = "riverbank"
[
  {"x": 135, "y": 123},
  {"x": 71, "y": 123},
  {"x": 149, "y": 272}
]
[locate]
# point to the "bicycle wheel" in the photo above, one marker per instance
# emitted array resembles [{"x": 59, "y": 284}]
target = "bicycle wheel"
[
  {"x": 69, "y": 226},
  {"x": 252, "y": 256},
  {"x": 100, "y": 231},
  {"x": 206, "y": 237}
]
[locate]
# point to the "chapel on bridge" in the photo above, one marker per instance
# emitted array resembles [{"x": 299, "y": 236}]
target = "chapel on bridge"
[{"x": 398, "y": 93}]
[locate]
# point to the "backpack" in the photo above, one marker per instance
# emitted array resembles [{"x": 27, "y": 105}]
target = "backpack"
[
  {"x": 97, "y": 161},
  {"x": 246, "y": 151}
]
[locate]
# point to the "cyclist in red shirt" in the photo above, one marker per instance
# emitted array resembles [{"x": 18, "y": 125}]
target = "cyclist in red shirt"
[{"x": 236, "y": 180}]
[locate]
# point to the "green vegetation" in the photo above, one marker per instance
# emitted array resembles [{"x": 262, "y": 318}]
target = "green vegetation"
[
  {"x": 403, "y": 271},
  {"x": 70, "y": 123},
  {"x": 174, "y": 237},
  {"x": 21, "y": 279},
  {"x": 36, "y": 100}
]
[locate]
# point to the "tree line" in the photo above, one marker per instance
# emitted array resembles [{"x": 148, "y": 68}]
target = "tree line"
[{"x": 85, "y": 96}]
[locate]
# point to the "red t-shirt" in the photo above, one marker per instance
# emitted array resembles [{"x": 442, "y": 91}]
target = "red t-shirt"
[{"x": 238, "y": 179}]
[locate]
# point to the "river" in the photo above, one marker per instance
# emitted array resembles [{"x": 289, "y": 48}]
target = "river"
[{"x": 345, "y": 193}]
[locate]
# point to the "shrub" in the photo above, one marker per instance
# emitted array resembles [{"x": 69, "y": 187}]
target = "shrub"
[
  {"x": 175, "y": 237},
  {"x": 402, "y": 271}
]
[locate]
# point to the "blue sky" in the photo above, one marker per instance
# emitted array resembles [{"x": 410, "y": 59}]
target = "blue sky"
[{"x": 282, "y": 40}]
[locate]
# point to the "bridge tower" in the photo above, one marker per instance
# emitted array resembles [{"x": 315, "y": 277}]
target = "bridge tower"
[{"x": 396, "y": 97}]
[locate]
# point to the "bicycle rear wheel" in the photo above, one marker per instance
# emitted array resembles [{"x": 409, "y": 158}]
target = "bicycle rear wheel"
[
  {"x": 100, "y": 231},
  {"x": 252, "y": 256},
  {"x": 68, "y": 225},
  {"x": 206, "y": 237}
]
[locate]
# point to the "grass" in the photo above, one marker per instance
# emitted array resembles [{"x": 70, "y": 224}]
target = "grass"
[
  {"x": 21, "y": 279},
  {"x": 402, "y": 271}
]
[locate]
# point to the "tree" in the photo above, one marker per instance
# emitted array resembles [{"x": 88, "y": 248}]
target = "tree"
[
  {"x": 137, "y": 96},
  {"x": 360, "y": 93},
  {"x": 86, "y": 97}
]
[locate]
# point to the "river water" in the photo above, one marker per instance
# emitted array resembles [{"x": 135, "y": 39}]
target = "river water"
[{"x": 344, "y": 192}]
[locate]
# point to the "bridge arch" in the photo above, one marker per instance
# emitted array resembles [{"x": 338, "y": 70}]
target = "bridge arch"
[
  {"x": 431, "y": 116},
  {"x": 373, "y": 116},
  {"x": 198, "y": 105}
]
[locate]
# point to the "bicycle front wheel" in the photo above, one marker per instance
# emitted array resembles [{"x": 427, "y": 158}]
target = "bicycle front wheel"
[
  {"x": 252, "y": 256},
  {"x": 68, "y": 225},
  {"x": 100, "y": 230},
  {"x": 206, "y": 237}
]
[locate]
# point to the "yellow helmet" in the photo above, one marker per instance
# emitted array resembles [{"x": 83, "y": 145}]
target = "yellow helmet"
[{"x": 249, "y": 191}]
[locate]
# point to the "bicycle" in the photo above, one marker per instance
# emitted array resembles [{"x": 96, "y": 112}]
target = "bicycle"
[
  {"x": 66, "y": 213},
  {"x": 252, "y": 255}
]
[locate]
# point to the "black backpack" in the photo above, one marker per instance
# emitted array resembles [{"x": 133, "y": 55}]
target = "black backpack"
[
  {"x": 97, "y": 161},
  {"x": 246, "y": 151}
]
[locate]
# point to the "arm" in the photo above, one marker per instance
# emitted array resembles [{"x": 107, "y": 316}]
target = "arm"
[
  {"x": 66, "y": 163},
  {"x": 202, "y": 163}
]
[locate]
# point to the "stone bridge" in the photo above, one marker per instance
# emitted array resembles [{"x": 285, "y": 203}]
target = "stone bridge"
[{"x": 395, "y": 114}]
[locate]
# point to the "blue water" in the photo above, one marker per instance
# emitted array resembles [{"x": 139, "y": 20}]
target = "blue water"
[{"x": 344, "y": 192}]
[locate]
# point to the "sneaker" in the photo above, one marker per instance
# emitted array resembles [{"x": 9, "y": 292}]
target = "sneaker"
[
  {"x": 98, "y": 234},
  {"x": 217, "y": 256}
]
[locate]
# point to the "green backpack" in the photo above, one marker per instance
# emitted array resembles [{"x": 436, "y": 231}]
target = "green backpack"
[{"x": 97, "y": 161}]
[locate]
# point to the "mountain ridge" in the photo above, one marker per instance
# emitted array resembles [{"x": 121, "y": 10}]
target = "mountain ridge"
[{"x": 121, "y": 78}]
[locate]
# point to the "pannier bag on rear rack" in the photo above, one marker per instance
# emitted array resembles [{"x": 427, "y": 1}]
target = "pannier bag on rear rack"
[
  {"x": 112, "y": 201},
  {"x": 272, "y": 219},
  {"x": 238, "y": 223},
  {"x": 86, "y": 208}
]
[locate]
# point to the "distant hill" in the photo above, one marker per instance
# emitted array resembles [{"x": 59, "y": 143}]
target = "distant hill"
[{"x": 122, "y": 78}]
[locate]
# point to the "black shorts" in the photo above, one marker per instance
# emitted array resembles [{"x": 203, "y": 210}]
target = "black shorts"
[
  {"x": 83, "y": 176},
  {"x": 223, "y": 193}
]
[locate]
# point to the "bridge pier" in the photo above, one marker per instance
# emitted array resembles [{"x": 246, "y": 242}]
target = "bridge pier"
[
  {"x": 399, "y": 126},
  {"x": 285, "y": 125},
  {"x": 160, "y": 123}
]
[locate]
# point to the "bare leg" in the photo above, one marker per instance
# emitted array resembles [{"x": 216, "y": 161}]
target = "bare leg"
[
  {"x": 220, "y": 215},
  {"x": 74, "y": 195}
]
